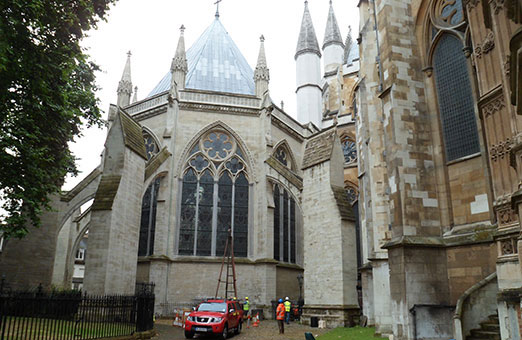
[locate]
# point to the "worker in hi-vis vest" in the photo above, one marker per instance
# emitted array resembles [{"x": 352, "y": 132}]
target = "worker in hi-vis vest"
[
  {"x": 247, "y": 312},
  {"x": 288, "y": 307},
  {"x": 280, "y": 316}
]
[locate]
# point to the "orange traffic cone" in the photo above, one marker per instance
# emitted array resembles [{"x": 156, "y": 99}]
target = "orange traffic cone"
[{"x": 256, "y": 322}]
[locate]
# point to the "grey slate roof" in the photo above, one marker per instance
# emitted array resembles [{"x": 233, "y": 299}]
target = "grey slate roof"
[
  {"x": 307, "y": 42},
  {"x": 332, "y": 34},
  {"x": 214, "y": 64}
]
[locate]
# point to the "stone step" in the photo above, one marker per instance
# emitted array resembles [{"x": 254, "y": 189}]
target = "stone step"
[
  {"x": 493, "y": 318},
  {"x": 490, "y": 326},
  {"x": 482, "y": 334}
]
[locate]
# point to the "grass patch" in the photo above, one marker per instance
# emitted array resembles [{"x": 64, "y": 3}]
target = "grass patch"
[{"x": 353, "y": 333}]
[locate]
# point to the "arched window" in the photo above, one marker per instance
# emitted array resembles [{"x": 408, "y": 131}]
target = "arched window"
[
  {"x": 151, "y": 146},
  {"x": 148, "y": 219},
  {"x": 215, "y": 198},
  {"x": 284, "y": 156},
  {"x": 284, "y": 226},
  {"x": 455, "y": 98},
  {"x": 349, "y": 150}
]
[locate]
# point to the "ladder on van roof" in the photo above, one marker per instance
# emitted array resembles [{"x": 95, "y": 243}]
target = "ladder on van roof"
[{"x": 230, "y": 276}]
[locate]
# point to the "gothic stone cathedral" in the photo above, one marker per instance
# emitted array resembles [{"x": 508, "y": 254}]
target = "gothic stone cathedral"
[{"x": 394, "y": 198}]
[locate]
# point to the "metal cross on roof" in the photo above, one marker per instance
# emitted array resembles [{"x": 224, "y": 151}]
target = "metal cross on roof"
[{"x": 217, "y": 7}]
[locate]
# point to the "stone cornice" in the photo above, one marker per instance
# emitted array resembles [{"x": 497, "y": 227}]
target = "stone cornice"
[
  {"x": 286, "y": 128},
  {"x": 219, "y": 109},
  {"x": 150, "y": 113}
]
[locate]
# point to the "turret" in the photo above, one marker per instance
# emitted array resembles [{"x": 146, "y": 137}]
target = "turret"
[
  {"x": 262, "y": 73},
  {"x": 333, "y": 47},
  {"x": 179, "y": 67},
  {"x": 125, "y": 85},
  {"x": 308, "y": 73},
  {"x": 135, "y": 98}
]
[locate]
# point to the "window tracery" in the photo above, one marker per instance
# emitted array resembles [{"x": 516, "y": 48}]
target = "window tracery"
[
  {"x": 214, "y": 198},
  {"x": 349, "y": 150},
  {"x": 151, "y": 146},
  {"x": 351, "y": 194}
]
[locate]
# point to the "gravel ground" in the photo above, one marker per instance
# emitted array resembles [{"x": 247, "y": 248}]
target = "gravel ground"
[{"x": 267, "y": 330}]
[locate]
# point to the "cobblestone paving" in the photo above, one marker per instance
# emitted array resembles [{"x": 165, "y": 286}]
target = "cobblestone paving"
[{"x": 267, "y": 330}]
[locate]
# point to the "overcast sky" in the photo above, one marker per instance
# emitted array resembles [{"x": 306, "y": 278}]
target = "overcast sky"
[{"x": 150, "y": 30}]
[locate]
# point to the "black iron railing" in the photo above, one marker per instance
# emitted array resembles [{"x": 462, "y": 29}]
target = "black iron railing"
[{"x": 72, "y": 315}]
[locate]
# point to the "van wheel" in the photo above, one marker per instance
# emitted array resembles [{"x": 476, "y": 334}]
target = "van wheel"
[
  {"x": 225, "y": 332},
  {"x": 189, "y": 335}
]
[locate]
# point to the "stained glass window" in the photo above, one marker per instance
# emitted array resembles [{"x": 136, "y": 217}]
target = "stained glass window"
[
  {"x": 211, "y": 204},
  {"x": 148, "y": 219},
  {"x": 284, "y": 226},
  {"x": 349, "y": 150},
  {"x": 455, "y": 98},
  {"x": 277, "y": 222},
  {"x": 151, "y": 146},
  {"x": 280, "y": 155}
]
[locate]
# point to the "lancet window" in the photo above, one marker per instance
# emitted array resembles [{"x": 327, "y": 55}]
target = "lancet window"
[
  {"x": 214, "y": 198},
  {"x": 452, "y": 80},
  {"x": 148, "y": 219},
  {"x": 284, "y": 226}
]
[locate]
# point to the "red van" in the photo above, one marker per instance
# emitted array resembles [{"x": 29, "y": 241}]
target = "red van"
[{"x": 218, "y": 317}]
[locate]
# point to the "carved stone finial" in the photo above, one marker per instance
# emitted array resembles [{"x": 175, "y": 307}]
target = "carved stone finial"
[
  {"x": 262, "y": 38},
  {"x": 182, "y": 29},
  {"x": 129, "y": 54}
]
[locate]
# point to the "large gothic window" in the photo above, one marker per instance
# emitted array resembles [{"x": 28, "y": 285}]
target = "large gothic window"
[
  {"x": 456, "y": 106},
  {"x": 215, "y": 198},
  {"x": 148, "y": 219},
  {"x": 284, "y": 226}
]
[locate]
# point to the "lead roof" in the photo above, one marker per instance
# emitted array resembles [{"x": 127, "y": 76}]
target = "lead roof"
[{"x": 214, "y": 64}]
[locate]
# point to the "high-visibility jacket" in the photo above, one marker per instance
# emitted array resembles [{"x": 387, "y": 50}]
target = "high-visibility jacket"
[
  {"x": 280, "y": 312},
  {"x": 288, "y": 304},
  {"x": 246, "y": 306}
]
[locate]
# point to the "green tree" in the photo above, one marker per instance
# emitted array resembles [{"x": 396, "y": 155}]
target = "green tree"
[{"x": 47, "y": 93}]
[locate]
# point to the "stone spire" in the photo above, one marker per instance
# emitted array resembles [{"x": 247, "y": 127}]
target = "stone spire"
[
  {"x": 332, "y": 34},
  {"x": 333, "y": 47},
  {"x": 307, "y": 42},
  {"x": 125, "y": 85},
  {"x": 308, "y": 73},
  {"x": 179, "y": 67},
  {"x": 348, "y": 46},
  {"x": 135, "y": 98},
  {"x": 262, "y": 73}
]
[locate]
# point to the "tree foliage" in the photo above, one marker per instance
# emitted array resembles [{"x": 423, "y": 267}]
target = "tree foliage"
[{"x": 47, "y": 93}]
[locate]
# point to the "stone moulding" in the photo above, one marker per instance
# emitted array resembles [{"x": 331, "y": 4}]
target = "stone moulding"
[
  {"x": 218, "y": 109},
  {"x": 156, "y": 111},
  {"x": 286, "y": 128}
]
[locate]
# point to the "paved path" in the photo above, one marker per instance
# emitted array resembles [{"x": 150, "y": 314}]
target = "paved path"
[{"x": 266, "y": 331}]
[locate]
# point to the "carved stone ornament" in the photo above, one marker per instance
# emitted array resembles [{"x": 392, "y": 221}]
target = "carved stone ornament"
[
  {"x": 486, "y": 46},
  {"x": 497, "y": 5},
  {"x": 500, "y": 150},
  {"x": 262, "y": 73},
  {"x": 428, "y": 71},
  {"x": 493, "y": 106},
  {"x": 471, "y": 3},
  {"x": 506, "y": 215},
  {"x": 506, "y": 247},
  {"x": 179, "y": 64}
]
